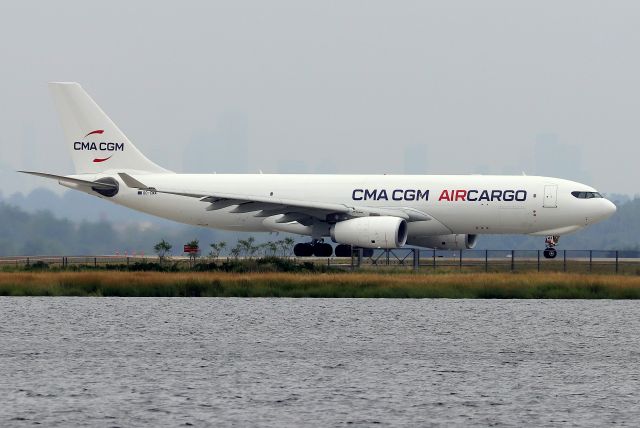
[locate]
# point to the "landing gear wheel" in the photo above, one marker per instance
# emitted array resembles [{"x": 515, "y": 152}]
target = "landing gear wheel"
[
  {"x": 551, "y": 241},
  {"x": 322, "y": 250},
  {"x": 367, "y": 252},
  {"x": 303, "y": 250},
  {"x": 343, "y": 250}
]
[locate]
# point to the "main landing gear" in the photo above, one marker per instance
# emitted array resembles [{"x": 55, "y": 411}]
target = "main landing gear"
[
  {"x": 318, "y": 248},
  {"x": 314, "y": 248},
  {"x": 344, "y": 250},
  {"x": 551, "y": 241}
]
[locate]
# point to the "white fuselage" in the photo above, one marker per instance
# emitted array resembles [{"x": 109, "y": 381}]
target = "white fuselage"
[{"x": 458, "y": 204}]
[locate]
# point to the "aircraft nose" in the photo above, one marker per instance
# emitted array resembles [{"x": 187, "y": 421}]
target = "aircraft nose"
[{"x": 608, "y": 209}]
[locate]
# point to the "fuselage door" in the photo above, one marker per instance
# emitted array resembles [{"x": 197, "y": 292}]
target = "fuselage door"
[{"x": 550, "y": 197}]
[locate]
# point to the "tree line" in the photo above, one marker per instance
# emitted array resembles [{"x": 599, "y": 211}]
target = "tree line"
[
  {"x": 42, "y": 233},
  {"x": 243, "y": 248}
]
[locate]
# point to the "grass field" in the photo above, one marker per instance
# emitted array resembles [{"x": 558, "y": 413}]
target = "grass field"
[{"x": 360, "y": 285}]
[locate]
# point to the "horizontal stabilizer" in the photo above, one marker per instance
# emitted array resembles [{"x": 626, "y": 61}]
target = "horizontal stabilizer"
[{"x": 77, "y": 181}]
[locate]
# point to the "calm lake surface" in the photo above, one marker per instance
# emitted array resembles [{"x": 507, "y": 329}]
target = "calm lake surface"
[{"x": 318, "y": 362}]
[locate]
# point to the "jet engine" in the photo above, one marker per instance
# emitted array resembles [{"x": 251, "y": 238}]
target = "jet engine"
[
  {"x": 108, "y": 192},
  {"x": 371, "y": 232},
  {"x": 446, "y": 242}
]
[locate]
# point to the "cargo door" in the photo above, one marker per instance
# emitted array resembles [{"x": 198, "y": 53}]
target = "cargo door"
[{"x": 550, "y": 197}]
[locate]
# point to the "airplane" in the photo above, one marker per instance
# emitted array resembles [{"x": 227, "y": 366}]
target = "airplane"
[{"x": 353, "y": 211}]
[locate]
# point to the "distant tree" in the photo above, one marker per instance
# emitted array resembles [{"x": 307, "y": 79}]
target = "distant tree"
[
  {"x": 287, "y": 246},
  {"x": 246, "y": 246},
  {"x": 195, "y": 245},
  {"x": 235, "y": 251},
  {"x": 242, "y": 246},
  {"x": 253, "y": 249},
  {"x": 25, "y": 232},
  {"x": 272, "y": 247},
  {"x": 163, "y": 250},
  {"x": 216, "y": 249}
]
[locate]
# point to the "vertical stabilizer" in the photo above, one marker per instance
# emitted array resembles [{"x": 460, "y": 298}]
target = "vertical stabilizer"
[{"x": 95, "y": 142}]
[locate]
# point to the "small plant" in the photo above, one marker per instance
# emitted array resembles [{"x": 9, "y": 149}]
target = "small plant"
[{"x": 39, "y": 265}]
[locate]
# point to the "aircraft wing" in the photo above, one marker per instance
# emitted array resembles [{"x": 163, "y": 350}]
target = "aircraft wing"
[{"x": 293, "y": 209}]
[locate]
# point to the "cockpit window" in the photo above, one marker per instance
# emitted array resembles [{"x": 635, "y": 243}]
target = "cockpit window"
[{"x": 586, "y": 195}]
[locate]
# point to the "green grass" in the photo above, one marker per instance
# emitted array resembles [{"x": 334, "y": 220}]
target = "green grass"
[{"x": 359, "y": 285}]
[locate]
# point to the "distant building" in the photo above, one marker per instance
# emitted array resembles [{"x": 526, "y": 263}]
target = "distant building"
[
  {"x": 225, "y": 150},
  {"x": 415, "y": 159},
  {"x": 555, "y": 159},
  {"x": 292, "y": 166},
  {"x": 28, "y": 147},
  {"x": 326, "y": 166}
]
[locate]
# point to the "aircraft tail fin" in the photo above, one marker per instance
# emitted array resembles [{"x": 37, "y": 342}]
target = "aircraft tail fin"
[{"x": 95, "y": 142}]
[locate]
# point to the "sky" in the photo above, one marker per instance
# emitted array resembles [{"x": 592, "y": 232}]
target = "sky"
[{"x": 433, "y": 87}]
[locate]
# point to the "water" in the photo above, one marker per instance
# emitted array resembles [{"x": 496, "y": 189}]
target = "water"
[{"x": 317, "y": 362}]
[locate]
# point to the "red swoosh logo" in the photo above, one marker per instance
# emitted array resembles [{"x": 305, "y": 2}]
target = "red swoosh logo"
[
  {"x": 97, "y": 131},
  {"x": 102, "y": 160}
]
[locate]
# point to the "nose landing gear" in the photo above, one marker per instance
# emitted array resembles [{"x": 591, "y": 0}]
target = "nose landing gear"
[{"x": 551, "y": 241}]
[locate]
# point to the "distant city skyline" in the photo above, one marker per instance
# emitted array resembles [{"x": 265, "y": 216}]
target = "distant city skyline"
[
  {"x": 224, "y": 150},
  {"x": 416, "y": 159},
  {"x": 492, "y": 87},
  {"x": 552, "y": 156}
]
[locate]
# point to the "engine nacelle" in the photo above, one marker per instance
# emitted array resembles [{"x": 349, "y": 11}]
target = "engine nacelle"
[
  {"x": 446, "y": 242},
  {"x": 371, "y": 232}
]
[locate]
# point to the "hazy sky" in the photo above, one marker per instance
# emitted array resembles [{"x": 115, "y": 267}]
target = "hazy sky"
[{"x": 545, "y": 87}]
